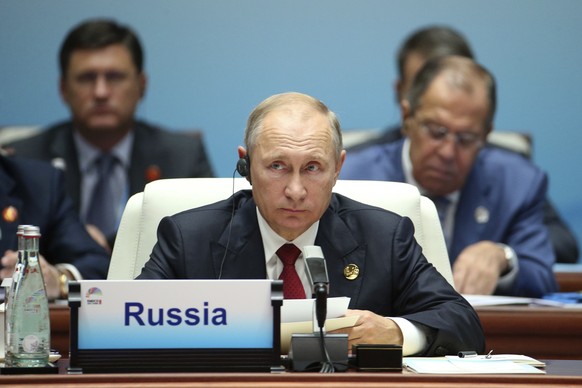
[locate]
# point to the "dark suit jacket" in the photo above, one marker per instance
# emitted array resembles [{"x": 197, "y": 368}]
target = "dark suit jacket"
[
  {"x": 36, "y": 190},
  {"x": 563, "y": 240},
  {"x": 176, "y": 155},
  {"x": 395, "y": 278},
  {"x": 509, "y": 187}
]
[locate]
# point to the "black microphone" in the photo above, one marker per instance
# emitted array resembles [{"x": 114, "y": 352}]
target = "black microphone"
[
  {"x": 317, "y": 272},
  {"x": 304, "y": 354}
]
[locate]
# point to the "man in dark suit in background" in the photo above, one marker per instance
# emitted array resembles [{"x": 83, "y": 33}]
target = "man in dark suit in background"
[
  {"x": 32, "y": 192},
  {"x": 102, "y": 82},
  {"x": 491, "y": 200},
  {"x": 433, "y": 41},
  {"x": 420, "y": 46},
  {"x": 293, "y": 157}
]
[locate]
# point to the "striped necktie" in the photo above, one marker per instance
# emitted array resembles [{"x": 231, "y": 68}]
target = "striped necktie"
[{"x": 103, "y": 205}]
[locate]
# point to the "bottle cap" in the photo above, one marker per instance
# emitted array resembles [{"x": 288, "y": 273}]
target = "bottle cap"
[
  {"x": 31, "y": 231},
  {"x": 20, "y": 230}
]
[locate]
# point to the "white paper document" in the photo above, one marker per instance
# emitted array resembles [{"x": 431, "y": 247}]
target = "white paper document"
[
  {"x": 499, "y": 300},
  {"x": 517, "y": 358},
  {"x": 297, "y": 318},
  {"x": 476, "y": 365},
  {"x": 496, "y": 300},
  {"x": 298, "y": 310}
]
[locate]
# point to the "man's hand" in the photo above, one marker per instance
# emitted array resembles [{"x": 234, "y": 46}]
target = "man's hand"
[
  {"x": 49, "y": 272},
  {"x": 51, "y": 279},
  {"x": 8, "y": 262},
  {"x": 371, "y": 328},
  {"x": 477, "y": 269}
]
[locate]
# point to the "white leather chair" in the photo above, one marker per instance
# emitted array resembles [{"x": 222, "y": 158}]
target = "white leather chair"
[
  {"x": 14, "y": 133},
  {"x": 137, "y": 232}
]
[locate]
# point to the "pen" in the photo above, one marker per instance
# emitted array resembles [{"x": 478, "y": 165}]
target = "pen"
[
  {"x": 467, "y": 353},
  {"x": 489, "y": 354}
]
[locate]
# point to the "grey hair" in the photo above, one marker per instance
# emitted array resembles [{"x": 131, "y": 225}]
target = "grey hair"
[{"x": 467, "y": 71}]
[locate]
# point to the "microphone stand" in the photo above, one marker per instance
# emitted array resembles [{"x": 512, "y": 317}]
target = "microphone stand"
[
  {"x": 310, "y": 351},
  {"x": 320, "y": 312}
]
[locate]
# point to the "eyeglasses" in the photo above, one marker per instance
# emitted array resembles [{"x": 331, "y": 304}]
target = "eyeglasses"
[{"x": 466, "y": 140}]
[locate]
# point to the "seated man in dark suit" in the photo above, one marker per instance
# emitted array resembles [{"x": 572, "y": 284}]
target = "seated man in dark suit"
[
  {"x": 33, "y": 193},
  {"x": 106, "y": 153},
  {"x": 491, "y": 200},
  {"x": 293, "y": 157},
  {"x": 434, "y": 41}
]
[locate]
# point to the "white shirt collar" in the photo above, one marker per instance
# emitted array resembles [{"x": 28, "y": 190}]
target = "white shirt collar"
[
  {"x": 272, "y": 241},
  {"x": 87, "y": 152}
]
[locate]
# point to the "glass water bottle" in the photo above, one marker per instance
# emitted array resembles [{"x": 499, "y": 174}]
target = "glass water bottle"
[{"x": 29, "y": 343}]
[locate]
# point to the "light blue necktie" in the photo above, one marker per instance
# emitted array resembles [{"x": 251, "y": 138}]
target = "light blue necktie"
[{"x": 102, "y": 208}]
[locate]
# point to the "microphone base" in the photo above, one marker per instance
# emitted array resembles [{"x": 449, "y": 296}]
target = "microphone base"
[{"x": 305, "y": 352}]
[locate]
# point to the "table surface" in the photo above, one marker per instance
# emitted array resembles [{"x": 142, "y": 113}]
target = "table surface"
[
  {"x": 560, "y": 373},
  {"x": 539, "y": 332},
  {"x": 569, "y": 281}
]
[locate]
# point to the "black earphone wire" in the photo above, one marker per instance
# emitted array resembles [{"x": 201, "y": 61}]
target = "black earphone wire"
[{"x": 229, "y": 228}]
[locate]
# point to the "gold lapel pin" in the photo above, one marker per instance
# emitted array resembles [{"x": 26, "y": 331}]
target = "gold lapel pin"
[{"x": 351, "y": 272}]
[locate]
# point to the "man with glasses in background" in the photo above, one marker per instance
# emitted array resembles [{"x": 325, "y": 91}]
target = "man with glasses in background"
[
  {"x": 490, "y": 200},
  {"x": 439, "y": 40}
]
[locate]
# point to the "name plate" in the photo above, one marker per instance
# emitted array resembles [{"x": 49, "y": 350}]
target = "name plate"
[
  {"x": 162, "y": 314},
  {"x": 144, "y": 317}
]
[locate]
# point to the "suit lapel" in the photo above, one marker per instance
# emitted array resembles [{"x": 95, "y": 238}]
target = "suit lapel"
[
  {"x": 473, "y": 211},
  {"x": 243, "y": 256},
  {"x": 340, "y": 249},
  {"x": 141, "y": 154},
  {"x": 8, "y": 227},
  {"x": 63, "y": 147}
]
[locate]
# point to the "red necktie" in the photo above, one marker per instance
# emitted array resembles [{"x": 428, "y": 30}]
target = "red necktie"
[{"x": 292, "y": 287}]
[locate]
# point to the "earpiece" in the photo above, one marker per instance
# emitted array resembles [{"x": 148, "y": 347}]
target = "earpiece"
[{"x": 243, "y": 166}]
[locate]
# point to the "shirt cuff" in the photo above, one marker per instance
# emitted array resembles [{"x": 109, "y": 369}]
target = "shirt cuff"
[{"x": 414, "y": 340}]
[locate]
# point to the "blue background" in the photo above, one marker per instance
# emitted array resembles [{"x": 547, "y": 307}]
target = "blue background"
[{"x": 211, "y": 61}]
